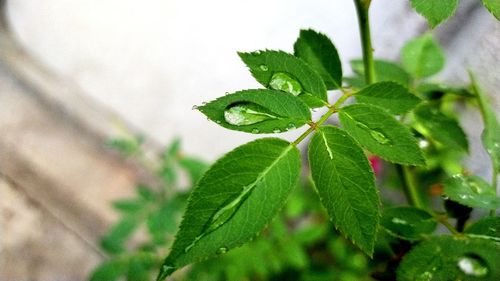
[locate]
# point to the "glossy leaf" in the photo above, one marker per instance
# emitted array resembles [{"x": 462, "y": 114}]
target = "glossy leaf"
[
  {"x": 381, "y": 134},
  {"x": 266, "y": 65},
  {"x": 422, "y": 57},
  {"x": 493, "y": 6},
  {"x": 451, "y": 258},
  {"x": 488, "y": 226},
  {"x": 471, "y": 191},
  {"x": 408, "y": 222},
  {"x": 258, "y": 111},
  {"x": 346, "y": 185},
  {"x": 491, "y": 132},
  {"x": 319, "y": 52},
  {"x": 440, "y": 127},
  {"x": 435, "y": 11},
  {"x": 384, "y": 71},
  {"x": 390, "y": 96},
  {"x": 234, "y": 201}
]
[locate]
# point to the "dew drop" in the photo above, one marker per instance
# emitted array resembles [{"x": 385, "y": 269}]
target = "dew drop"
[
  {"x": 263, "y": 67},
  {"x": 276, "y": 130},
  {"x": 375, "y": 134},
  {"x": 283, "y": 82},
  {"x": 426, "y": 276},
  {"x": 241, "y": 114},
  {"x": 221, "y": 250},
  {"x": 218, "y": 121},
  {"x": 291, "y": 126},
  {"x": 226, "y": 93},
  {"x": 472, "y": 266},
  {"x": 255, "y": 131},
  {"x": 399, "y": 221}
]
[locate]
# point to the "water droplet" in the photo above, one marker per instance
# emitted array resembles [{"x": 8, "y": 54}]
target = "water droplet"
[
  {"x": 291, "y": 126},
  {"x": 399, "y": 221},
  {"x": 166, "y": 270},
  {"x": 221, "y": 250},
  {"x": 263, "y": 67},
  {"x": 218, "y": 122},
  {"x": 194, "y": 107},
  {"x": 241, "y": 114},
  {"x": 255, "y": 131},
  {"x": 374, "y": 133},
  {"x": 473, "y": 266},
  {"x": 276, "y": 130},
  {"x": 423, "y": 144},
  {"x": 426, "y": 276},
  {"x": 283, "y": 82}
]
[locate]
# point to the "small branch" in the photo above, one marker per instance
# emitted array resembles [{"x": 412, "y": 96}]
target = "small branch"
[{"x": 362, "y": 9}]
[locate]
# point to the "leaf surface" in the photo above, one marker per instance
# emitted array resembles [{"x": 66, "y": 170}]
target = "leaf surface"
[
  {"x": 235, "y": 199},
  {"x": 451, "y": 258},
  {"x": 422, "y": 57},
  {"x": 384, "y": 71},
  {"x": 258, "y": 111},
  {"x": 319, "y": 52},
  {"x": 390, "y": 96},
  {"x": 346, "y": 185},
  {"x": 408, "y": 223},
  {"x": 488, "y": 226},
  {"x": 471, "y": 191},
  {"x": 271, "y": 69},
  {"x": 440, "y": 127},
  {"x": 381, "y": 134},
  {"x": 435, "y": 11}
]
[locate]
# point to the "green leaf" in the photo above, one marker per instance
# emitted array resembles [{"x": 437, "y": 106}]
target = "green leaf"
[
  {"x": 381, "y": 134},
  {"x": 493, "y": 6},
  {"x": 440, "y": 127},
  {"x": 436, "y": 91},
  {"x": 491, "y": 132},
  {"x": 282, "y": 71},
  {"x": 145, "y": 193},
  {"x": 259, "y": 111},
  {"x": 488, "y": 226},
  {"x": 471, "y": 191},
  {"x": 435, "y": 11},
  {"x": 451, "y": 258},
  {"x": 422, "y": 57},
  {"x": 384, "y": 71},
  {"x": 346, "y": 185},
  {"x": 234, "y": 201},
  {"x": 113, "y": 241},
  {"x": 319, "y": 52},
  {"x": 129, "y": 206},
  {"x": 164, "y": 221},
  {"x": 390, "y": 96},
  {"x": 408, "y": 223}
]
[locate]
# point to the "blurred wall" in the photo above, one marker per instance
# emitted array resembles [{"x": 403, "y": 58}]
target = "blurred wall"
[{"x": 151, "y": 61}]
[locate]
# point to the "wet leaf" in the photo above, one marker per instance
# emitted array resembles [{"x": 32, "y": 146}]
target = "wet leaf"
[
  {"x": 408, "y": 222},
  {"x": 234, "y": 201},
  {"x": 422, "y": 57},
  {"x": 390, "y": 96},
  {"x": 488, "y": 226},
  {"x": 258, "y": 111},
  {"x": 264, "y": 65},
  {"x": 381, "y": 134},
  {"x": 471, "y": 191}
]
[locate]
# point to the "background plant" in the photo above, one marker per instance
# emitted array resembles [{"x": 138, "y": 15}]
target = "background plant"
[{"x": 386, "y": 109}]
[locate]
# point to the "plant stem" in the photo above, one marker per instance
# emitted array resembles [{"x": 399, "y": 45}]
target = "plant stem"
[
  {"x": 332, "y": 109},
  {"x": 362, "y": 9},
  {"x": 409, "y": 187}
]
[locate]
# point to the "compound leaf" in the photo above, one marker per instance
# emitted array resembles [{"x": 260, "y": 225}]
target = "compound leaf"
[
  {"x": 390, "y": 96},
  {"x": 258, "y": 111},
  {"x": 319, "y": 52},
  {"x": 346, "y": 185},
  {"x": 235, "y": 199},
  {"x": 451, "y": 258},
  {"x": 282, "y": 71},
  {"x": 381, "y": 134},
  {"x": 435, "y": 11},
  {"x": 422, "y": 57},
  {"x": 471, "y": 191}
]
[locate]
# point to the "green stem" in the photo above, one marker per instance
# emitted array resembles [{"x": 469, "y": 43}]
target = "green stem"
[
  {"x": 362, "y": 9},
  {"x": 409, "y": 186},
  {"x": 331, "y": 110}
]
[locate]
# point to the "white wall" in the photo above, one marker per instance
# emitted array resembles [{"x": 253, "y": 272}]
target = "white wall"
[{"x": 152, "y": 60}]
